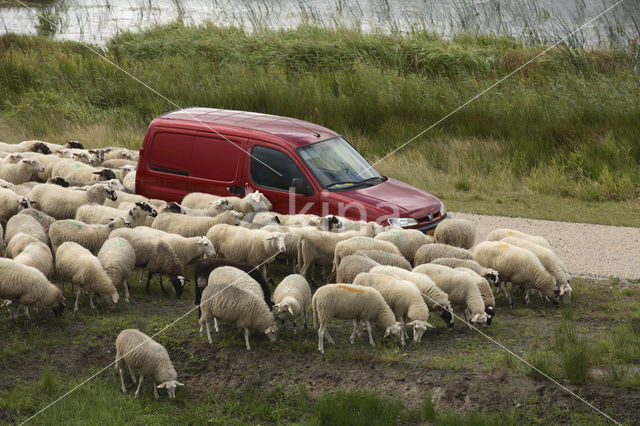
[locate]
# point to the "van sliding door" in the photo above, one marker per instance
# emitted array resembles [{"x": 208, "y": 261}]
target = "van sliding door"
[
  {"x": 215, "y": 163},
  {"x": 168, "y": 164}
]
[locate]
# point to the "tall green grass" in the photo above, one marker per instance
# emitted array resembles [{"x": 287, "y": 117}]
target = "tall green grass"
[{"x": 558, "y": 127}]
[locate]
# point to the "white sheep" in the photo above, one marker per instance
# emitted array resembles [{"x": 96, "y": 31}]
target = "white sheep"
[
  {"x": 37, "y": 255},
  {"x": 292, "y": 297},
  {"x": 125, "y": 197},
  {"x": 88, "y": 236},
  {"x": 22, "y": 171},
  {"x": 117, "y": 163},
  {"x": 386, "y": 258},
  {"x": 193, "y": 226},
  {"x": 485, "y": 291},
  {"x": 99, "y": 214},
  {"x": 76, "y": 264},
  {"x": 43, "y": 219},
  {"x": 355, "y": 244},
  {"x": 456, "y": 232},
  {"x": 114, "y": 153},
  {"x": 352, "y": 265},
  {"x": 28, "y": 225},
  {"x": 492, "y": 276},
  {"x": 18, "y": 243},
  {"x": 232, "y": 304},
  {"x": 148, "y": 358},
  {"x": 517, "y": 265},
  {"x": 318, "y": 247},
  {"x": 31, "y": 145},
  {"x": 461, "y": 289},
  {"x": 408, "y": 241},
  {"x": 429, "y": 252},
  {"x": 62, "y": 203},
  {"x": 436, "y": 300},
  {"x": 254, "y": 201},
  {"x": 500, "y": 233},
  {"x": 26, "y": 286},
  {"x": 187, "y": 249},
  {"x": 352, "y": 302},
  {"x": 129, "y": 182},
  {"x": 404, "y": 299},
  {"x": 10, "y": 203},
  {"x": 252, "y": 246},
  {"x": 79, "y": 173},
  {"x": 118, "y": 259},
  {"x": 214, "y": 209}
]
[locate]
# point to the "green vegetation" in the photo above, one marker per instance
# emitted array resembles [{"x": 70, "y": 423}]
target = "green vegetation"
[{"x": 556, "y": 140}]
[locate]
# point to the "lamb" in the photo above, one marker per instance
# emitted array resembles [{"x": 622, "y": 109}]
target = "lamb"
[
  {"x": 37, "y": 255},
  {"x": 118, "y": 259},
  {"x": 352, "y": 265},
  {"x": 352, "y": 302},
  {"x": 255, "y": 201},
  {"x": 408, "y": 241},
  {"x": 355, "y": 244},
  {"x": 461, "y": 288},
  {"x": 18, "y": 243},
  {"x": 547, "y": 257},
  {"x": 147, "y": 357},
  {"x": 78, "y": 173},
  {"x": 518, "y": 265},
  {"x": 436, "y": 300},
  {"x": 42, "y": 218},
  {"x": 235, "y": 305},
  {"x": 157, "y": 256},
  {"x": 485, "y": 291},
  {"x": 239, "y": 278},
  {"x": 429, "y": 252},
  {"x": 292, "y": 296},
  {"x": 186, "y": 248},
  {"x": 26, "y": 286},
  {"x": 28, "y": 225},
  {"x": 500, "y": 233},
  {"x": 403, "y": 298},
  {"x": 193, "y": 226},
  {"x": 98, "y": 214},
  {"x": 77, "y": 265},
  {"x": 62, "y": 203},
  {"x": 91, "y": 237},
  {"x": 129, "y": 182},
  {"x": 22, "y": 171},
  {"x": 492, "y": 276},
  {"x": 255, "y": 247},
  {"x": 205, "y": 266},
  {"x": 456, "y": 232}
]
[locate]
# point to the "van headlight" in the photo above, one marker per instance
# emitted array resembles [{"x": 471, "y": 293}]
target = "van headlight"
[
  {"x": 443, "y": 210},
  {"x": 402, "y": 222}
]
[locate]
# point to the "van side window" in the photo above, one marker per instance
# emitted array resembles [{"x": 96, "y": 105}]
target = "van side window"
[{"x": 261, "y": 175}]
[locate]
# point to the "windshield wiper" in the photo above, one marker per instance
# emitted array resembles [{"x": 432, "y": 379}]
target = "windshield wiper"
[{"x": 362, "y": 182}]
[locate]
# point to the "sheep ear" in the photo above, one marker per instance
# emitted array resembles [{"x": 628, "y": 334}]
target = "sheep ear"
[
  {"x": 162, "y": 385},
  {"x": 115, "y": 297},
  {"x": 179, "y": 384},
  {"x": 387, "y": 331},
  {"x": 429, "y": 325},
  {"x": 412, "y": 323},
  {"x": 290, "y": 309}
]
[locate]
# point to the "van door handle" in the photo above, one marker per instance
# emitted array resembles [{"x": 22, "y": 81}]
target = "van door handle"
[{"x": 236, "y": 189}]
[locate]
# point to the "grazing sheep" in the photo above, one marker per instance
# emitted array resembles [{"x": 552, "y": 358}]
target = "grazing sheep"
[
  {"x": 75, "y": 264},
  {"x": 403, "y": 298},
  {"x": 129, "y": 182},
  {"x": 239, "y": 278},
  {"x": 499, "y": 234},
  {"x": 18, "y": 243},
  {"x": 408, "y": 241},
  {"x": 26, "y": 286},
  {"x": 255, "y": 247},
  {"x": 429, "y": 252},
  {"x": 186, "y": 248},
  {"x": 37, "y": 255},
  {"x": 492, "y": 276},
  {"x": 352, "y": 265},
  {"x": 355, "y": 244},
  {"x": 205, "y": 266},
  {"x": 62, "y": 203},
  {"x": 318, "y": 247},
  {"x": 292, "y": 297},
  {"x": 456, "y": 232},
  {"x": 436, "y": 300},
  {"x": 22, "y": 171},
  {"x": 118, "y": 259},
  {"x": 228, "y": 303},
  {"x": 78, "y": 173},
  {"x": 519, "y": 266},
  {"x": 42, "y": 218},
  {"x": 255, "y": 201},
  {"x": 91, "y": 237},
  {"x": 148, "y": 358},
  {"x": 193, "y": 226},
  {"x": 100, "y": 215},
  {"x": 461, "y": 288},
  {"x": 352, "y": 302},
  {"x": 485, "y": 291},
  {"x": 28, "y": 225}
]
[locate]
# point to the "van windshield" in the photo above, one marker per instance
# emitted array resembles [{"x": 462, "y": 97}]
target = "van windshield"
[{"x": 338, "y": 166}]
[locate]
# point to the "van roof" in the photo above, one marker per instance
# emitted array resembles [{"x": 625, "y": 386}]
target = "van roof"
[{"x": 294, "y": 131}]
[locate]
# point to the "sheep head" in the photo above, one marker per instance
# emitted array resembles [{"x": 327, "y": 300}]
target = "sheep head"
[
  {"x": 42, "y": 147},
  {"x": 60, "y": 181},
  {"x": 118, "y": 222},
  {"x": 25, "y": 203},
  {"x": 170, "y": 385},
  {"x": 111, "y": 193},
  {"x": 205, "y": 246},
  {"x": 61, "y": 305},
  {"x": 396, "y": 330},
  {"x": 272, "y": 333},
  {"x": 419, "y": 327},
  {"x": 178, "y": 283},
  {"x": 277, "y": 240},
  {"x": 74, "y": 144},
  {"x": 446, "y": 313},
  {"x": 221, "y": 205},
  {"x": 281, "y": 310},
  {"x": 479, "y": 319},
  {"x": 493, "y": 277},
  {"x": 14, "y": 157},
  {"x": 105, "y": 174},
  {"x": 173, "y": 207},
  {"x": 83, "y": 157},
  {"x": 258, "y": 201},
  {"x": 146, "y": 207},
  {"x": 98, "y": 154},
  {"x": 33, "y": 164},
  {"x": 490, "y": 312}
]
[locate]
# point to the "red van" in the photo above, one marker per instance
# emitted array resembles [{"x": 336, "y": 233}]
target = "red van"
[{"x": 301, "y": 167}]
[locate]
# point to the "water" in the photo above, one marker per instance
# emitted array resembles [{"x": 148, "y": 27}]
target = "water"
[{"x": 534, "y": 21}]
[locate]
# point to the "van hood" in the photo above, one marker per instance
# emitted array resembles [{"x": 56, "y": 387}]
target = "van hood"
[{"x": 395, "y": 198}]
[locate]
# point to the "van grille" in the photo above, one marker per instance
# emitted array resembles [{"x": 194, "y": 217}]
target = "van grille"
[{"x": 429, "y": 218}]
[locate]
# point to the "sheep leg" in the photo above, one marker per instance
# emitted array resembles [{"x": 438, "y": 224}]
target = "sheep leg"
[
  {"x": 26, "y": 312},
  {"x": 126, "y": 290},
  {"x": 368, "y": 325},
  {"x": 91, "y": 302},
  {"x": 527, "y": 299},
  {"x": 321, "y": 331},
  {"x": 215, "y": 324},
  {"x": 328, "y": 336},
  {"x": 148, "y": 281},
  {"x": 124, "y": 388},
  {"x": 164, "y": 290},
  {"x": 75, "y": 307},
  {"x": 246, "y": 338},
  {"x": 155, "y": 391},
  {"x": 295, "y": 327},
  {"x": 140, "y": 276},
  {"x": 13, "y": 311},
  {"x": 139, "y": 386},
  {"x": 133, "y": 376},
  {"x": 304, "y": 314},
  {"x": 209, "y": 332},
  {"x": 507, "y": 293},
  {"x": 352, "y": 339}
]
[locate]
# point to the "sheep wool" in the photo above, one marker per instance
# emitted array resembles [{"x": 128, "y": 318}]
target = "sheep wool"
[
  {"x": 62, "y": 203},
  {"x": 255, "y": 201},
  {"x": 492, "y": 276},
  {"x": 500, "y": 233},
  {"x": 355, "y": 244},
  {"x": 352, "y": 265},
  {"x": 485, "y": 291},
  {"x": 118, "y": 259},
  {"x": 429, "y": 252},
  {"x": 28, "y": 225},
  {"x": 91, "y": 237},
  {"x": 148, "y": 358},
  {"x": 22, "y": 171},
  {"x": 37, "y": 255},
  {"x": 186, "y": 248},
  {"x": 386, "y": 258},
  {"x": 239, "y": 278},
  {"x": 43, "y": 219},
  {"x": 292, "y": 297},
  {"x": 408, "y": 241},
  {"x": 18, "y": 243},
  {"x": 456, "y": 232},
  {"x": 193, "y": 226}
]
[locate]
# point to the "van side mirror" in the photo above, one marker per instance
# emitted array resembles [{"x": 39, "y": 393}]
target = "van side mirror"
[{"x": 300, "y": 186}]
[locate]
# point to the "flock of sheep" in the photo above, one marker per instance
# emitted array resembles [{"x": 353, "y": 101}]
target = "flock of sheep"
[{"x": 72, "y": 211}]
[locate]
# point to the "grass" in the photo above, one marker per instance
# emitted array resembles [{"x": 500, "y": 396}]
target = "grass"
[{"x": 557, "y": 140}]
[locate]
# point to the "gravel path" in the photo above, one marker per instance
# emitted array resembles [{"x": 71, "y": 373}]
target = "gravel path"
[{"x": 587, "y": 250}]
